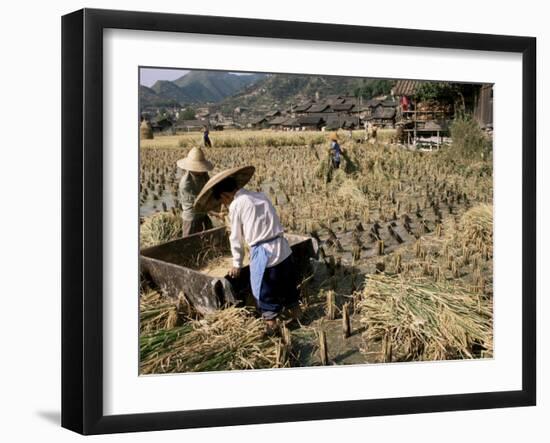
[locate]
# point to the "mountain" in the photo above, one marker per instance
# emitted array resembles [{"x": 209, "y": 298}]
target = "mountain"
[
  {"x": 283, "y": 90},
  {"x": 196, "y": 87},
  {"x": 169, "y": 90},
  {"x": 209, "y": 86},
  {"x": 149, "y": 97}
]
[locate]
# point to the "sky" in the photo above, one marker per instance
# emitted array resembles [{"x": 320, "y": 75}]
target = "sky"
[{"x": 150, "y": 75}]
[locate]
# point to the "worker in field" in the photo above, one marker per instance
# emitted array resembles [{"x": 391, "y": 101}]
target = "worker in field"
[
  {"x": 335, "y": 150},
  {"x": 399, "y": 133},
  {"x": 195, "y": 176},
  {"x": 255, "y": 222},
  {"x": 206, "y": 137},
  {"x": 373, "y": 133}
]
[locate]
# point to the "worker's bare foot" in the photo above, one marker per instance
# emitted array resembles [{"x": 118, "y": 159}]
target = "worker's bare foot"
[{"x": 271, "y": 328}]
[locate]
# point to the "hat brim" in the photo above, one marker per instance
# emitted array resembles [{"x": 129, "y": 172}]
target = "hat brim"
[
  {"x": 194, "y": 166},
  {"x": 206, "y": 201}
]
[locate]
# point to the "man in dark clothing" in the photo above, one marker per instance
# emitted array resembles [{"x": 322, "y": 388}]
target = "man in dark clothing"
[
  {"x": 335, "y": 150},
  {"x": 207, "y": 142}
]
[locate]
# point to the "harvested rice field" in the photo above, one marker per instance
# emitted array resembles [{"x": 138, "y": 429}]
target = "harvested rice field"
[{"x": 405, "y": 265}]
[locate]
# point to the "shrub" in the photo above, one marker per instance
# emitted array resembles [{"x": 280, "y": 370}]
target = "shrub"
[{"x": 469, "y": 140}]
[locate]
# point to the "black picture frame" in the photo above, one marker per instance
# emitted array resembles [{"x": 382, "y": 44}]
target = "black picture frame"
[{"x": 82, "y": 218}]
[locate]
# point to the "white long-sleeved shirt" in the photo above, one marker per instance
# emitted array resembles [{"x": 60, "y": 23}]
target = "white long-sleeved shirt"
[{"x": 254, "y": 219}]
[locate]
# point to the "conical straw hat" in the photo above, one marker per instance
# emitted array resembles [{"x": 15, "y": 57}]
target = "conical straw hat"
[
  {"x": 205, "y": 201},
  {"x": 195, "y": 161},
  {"x": 333, "y": 136}
]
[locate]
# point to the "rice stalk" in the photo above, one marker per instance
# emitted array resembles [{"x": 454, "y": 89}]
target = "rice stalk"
[
  {"x": 224, "y": 340},
  {"x": 426, "y": 320}
]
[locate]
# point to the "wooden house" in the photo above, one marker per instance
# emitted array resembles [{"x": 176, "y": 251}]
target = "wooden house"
[
  {"x": 260, "y": 123},
  {"x": 351, "y": 122},
  {"x": 342, "y": 107},
  {"x": 302, "y": 108},
  {"x": 382, "y": 116},
  {"x": 334, "y": 99},
  {"x": 483, "y": 106},
  {"x": 318, "y": 108},
  {"x": 271, "y": 114},
  {"x": 277, "y": 122},
  {"x": 312, "y": 123},
  {"x": 423, "y": 123},
  {"x": 290, "y": 124}
]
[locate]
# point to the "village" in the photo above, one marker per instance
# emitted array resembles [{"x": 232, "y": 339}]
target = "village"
[
  {"x": 392, "y": 246},
  {"x": 423, "y": 123}
]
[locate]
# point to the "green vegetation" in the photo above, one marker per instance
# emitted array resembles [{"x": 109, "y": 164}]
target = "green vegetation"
[
  {"x": 188, "y": 114},
  {"x": 372, "y": 88},
  {"x": 469, "y": 140}
]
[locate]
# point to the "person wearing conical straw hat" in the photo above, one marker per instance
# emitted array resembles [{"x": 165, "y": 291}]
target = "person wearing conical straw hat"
[
  {"x": 255, "y": 222},
  {"x": 195, "y": 176},
  {"x": 335, "y": 150}
]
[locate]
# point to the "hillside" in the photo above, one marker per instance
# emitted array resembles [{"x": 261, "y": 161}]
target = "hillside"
[
  {"x": 282, "y": 90},
  {"x": 195, "y": 87},
  {"x": 149, "y": 97}
]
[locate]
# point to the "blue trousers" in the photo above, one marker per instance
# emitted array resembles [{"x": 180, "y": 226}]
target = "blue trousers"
[{"x": 278, "y": 289}]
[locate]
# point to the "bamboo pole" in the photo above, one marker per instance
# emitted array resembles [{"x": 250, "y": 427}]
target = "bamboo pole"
[
  {"x": 346, "y": 321},
  {"x": 323, "y": 351},
  {"x": 330, "y": 305}
]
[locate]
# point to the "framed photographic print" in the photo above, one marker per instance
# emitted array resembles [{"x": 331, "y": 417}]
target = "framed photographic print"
[{"x": 271, "y": 221}]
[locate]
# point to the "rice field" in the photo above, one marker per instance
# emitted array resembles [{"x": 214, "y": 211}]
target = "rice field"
[{"x": 405, "y": 267}]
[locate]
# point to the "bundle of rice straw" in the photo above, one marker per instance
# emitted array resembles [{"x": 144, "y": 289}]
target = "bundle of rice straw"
[
  {"x": 145, "y": 130},
  {"x": 477, "y": 225},
  {"x": 227, "y": 339},
  {"x": 349, "y": 190},
  {"x": 157, "y": 312},
  {"x": 324, "y": 168},
  {"x": 424, "y": 320},
  {"x": 160, "y": 228}
]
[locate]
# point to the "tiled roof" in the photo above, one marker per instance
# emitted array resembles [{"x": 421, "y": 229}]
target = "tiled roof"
[{"x": 406, "y": 87}]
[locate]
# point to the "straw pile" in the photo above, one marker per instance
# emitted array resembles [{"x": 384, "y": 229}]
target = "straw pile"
[
  {"x": 160, "y": 228},
  {"x": 324, "y": 167},
  {"x": 349, "y": 190},
  {"x": 218, "y": 266},
  {"x": 425, "y": 320},
  {"x": 224, "y": 340},
  {"x": 157, "y": 312},
  {"x": 145, "y": 130},
  {"x": 477, "y": 224}
]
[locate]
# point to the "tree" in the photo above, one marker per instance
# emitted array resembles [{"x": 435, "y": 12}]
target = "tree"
[
  {"x": 455, "y": 93},
  {"x": 372, "y": 88},
  {"x": 188, "y": 114}
]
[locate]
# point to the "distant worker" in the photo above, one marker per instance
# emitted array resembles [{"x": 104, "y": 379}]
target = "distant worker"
[
  {"x": 206, "y": 137},
  {"x": 399, "y": 133},
  {"x": 372, "y": 132},
  {"x": 255, "y": 222},
  {"x": 335, "y": 150},
  {"x": 195, "y": 176}
]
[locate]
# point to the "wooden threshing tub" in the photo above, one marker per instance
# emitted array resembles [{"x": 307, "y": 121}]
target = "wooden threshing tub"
[{"x": 175, "y": 268}]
